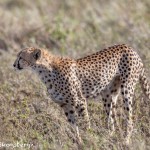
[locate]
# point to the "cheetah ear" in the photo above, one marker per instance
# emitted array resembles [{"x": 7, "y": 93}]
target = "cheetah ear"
[{"x": 37, "y": 54}]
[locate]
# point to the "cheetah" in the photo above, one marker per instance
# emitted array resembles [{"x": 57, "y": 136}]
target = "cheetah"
[{"x": 70, "y": 82}]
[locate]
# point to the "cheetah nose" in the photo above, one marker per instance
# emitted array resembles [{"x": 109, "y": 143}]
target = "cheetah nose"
[{"x": 14, "y": 65}]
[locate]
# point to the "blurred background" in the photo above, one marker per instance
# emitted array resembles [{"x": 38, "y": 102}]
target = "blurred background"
[{"x": 73, "y": 28}]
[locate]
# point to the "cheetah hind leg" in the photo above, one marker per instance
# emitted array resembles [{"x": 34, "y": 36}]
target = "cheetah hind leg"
[
  {"x": 127, "y": 91},
  {"x": 110, "y": 97},
  {"x": 127, "y": 94}
]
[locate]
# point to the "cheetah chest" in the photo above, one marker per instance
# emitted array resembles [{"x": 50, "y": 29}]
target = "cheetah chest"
[
  {"x": 55, "y": 95},
  {"x": 53, "y": 90}
]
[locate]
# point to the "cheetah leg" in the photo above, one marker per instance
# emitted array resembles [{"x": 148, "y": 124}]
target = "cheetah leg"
[
  {"x": 83, "y": 112},
  {"x": 114, "y": 101},
  {"x": 110, "y": 96},
  {"x": 127, "y": 91},
  {"x": 108, "y": 109},
  {"x": 71, "y": 117}
]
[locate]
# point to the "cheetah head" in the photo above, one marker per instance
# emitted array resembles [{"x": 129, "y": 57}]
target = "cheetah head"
[{"x": 27, "y": 58}]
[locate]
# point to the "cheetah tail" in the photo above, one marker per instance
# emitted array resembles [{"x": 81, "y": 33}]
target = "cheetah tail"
[{"x": 145, "y": 84}]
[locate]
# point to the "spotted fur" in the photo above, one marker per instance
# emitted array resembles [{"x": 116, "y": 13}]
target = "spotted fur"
[{"x": 70, "y": 82}]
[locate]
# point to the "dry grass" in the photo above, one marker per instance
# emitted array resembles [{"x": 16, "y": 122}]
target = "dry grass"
[{"x": 72, "y": 28}]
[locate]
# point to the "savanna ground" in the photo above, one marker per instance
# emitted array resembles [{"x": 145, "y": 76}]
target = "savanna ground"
[{"x": 71, "y": 28}]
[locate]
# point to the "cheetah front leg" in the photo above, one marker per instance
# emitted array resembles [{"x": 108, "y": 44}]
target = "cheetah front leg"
[
  {"x": 81, "y": 108},
  {"x": 83, "y": 112},
  {"x": 71, "y": 115}
]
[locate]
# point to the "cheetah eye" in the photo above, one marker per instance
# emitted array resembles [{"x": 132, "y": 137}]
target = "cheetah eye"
[
  {"x": 20, "y": 58},
  {"x": 18, "y": 54},
  {"x": 23, "y": 60}
]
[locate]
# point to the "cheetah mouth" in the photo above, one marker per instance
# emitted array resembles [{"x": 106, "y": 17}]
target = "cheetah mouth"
[{"x": 18, "y": 68}]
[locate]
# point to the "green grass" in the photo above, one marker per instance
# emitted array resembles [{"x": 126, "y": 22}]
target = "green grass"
[{"x": 74, "y": 29}]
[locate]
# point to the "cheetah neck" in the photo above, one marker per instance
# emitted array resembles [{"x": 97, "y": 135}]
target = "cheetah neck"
[{"x": 45, "y": 68}]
